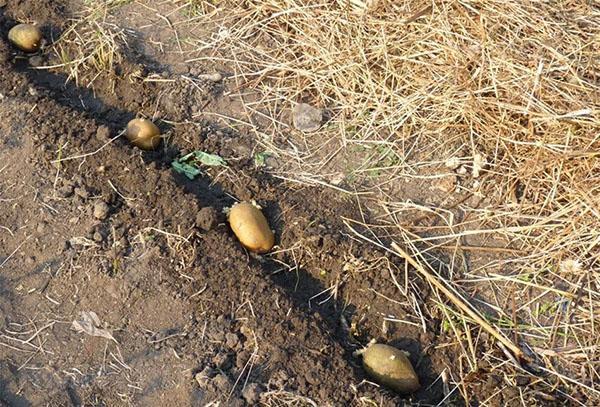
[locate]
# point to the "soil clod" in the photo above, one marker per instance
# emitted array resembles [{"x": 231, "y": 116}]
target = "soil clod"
[
  {"x": 101, "y": 210},
  {"x": 252, "y": 393},
  {"x": 207, "y": 218}
]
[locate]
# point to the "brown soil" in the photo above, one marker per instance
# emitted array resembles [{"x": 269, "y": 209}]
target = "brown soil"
[{"x": 195, "y": 317}]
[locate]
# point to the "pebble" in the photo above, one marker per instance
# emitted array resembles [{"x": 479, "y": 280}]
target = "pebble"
[
  {"x": 307, "y": 118},
  {"x": 101, "y": 210}
]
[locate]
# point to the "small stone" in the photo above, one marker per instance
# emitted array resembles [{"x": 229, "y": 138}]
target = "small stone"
[
  {"x": 3, "y": 3},
  {"x": 101, "y": 210},
  {"x": 103, "y": 133},
  {"x": 30, "y": 260},
  {"x": 307, "y": 118},
  {"x": 252, "y": 393},
  {"x": 98, "y": 238}
]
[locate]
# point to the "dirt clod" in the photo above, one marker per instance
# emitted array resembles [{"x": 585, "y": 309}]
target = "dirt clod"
[
  {"x": 103, "y": 133},
  {"x": 65, "y": 191},
  {"x": 82, "y": 192},
  {"x": 232, "y": 340},
  {"x": 101, "y": 210},
  {"x": 207, "y": 218},
  {"x": 252, "y": 393},
  {"x": 221, "y": 382},
  {"x": 36, "y": 61},
  {"x": 203, "y": 377}
]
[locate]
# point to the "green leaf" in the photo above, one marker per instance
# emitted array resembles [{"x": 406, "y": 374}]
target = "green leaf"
[
  {"x": 189, "y": 165},
  {"x": 208, "y": 159},
  {"x": 186, "y": 169},
  {"x": 260, "y": 159}
]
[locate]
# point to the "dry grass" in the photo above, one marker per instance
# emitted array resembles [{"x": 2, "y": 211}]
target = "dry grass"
[
  {"x": 285, "y": 399},
  {"x": 508, "y": 90},
  {"x": 92, "y": 44}
]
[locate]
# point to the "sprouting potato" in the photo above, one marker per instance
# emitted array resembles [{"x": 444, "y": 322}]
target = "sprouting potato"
[
  {"x": 251, "y": 227},
  {"x": 143, "y": 134},
  {"x": 26, "y": 37},
  {"x": 390, "y": 367}
]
